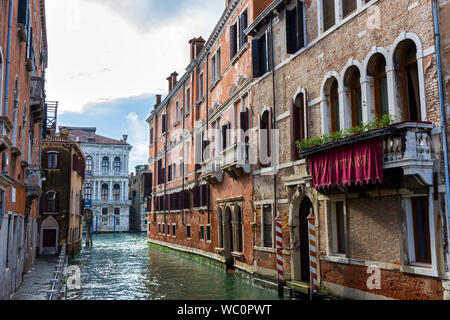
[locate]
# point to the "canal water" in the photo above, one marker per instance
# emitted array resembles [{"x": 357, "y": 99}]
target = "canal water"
[{"x": 124, "y": 267}]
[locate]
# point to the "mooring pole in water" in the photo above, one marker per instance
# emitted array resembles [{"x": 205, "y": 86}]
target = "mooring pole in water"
[
  {"x": 312, "y": 254},
  {"x": 279, "y": 242}
]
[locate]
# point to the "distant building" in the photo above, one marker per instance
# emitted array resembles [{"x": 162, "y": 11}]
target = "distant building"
[
  {"x": 140, "y": 190},
  {"x": 61, "y": 206},
  {"x": 106, "y": 185}
]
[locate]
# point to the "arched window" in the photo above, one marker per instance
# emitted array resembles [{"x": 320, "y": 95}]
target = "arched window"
[
  {"x": 334, "y": 107},
  {"x": 377, "y": 69},
  {"x": 105, "y": 192},
  {"x": 88, "y": 191},
  {"x": 298, "y": 123},
  {"x": 89, "y": 163},
  {"x": 50, "y": 201},
  {"x": 410, "y": 81},
  {"x": 353, "y": 84},
  {"x": 264, "y": 138},
  {"x": 116, "y": 192},
  {"x": 105, "y": 164},
  {"x": 52, "y": 160},
  {"x": 116, "y": 164}
]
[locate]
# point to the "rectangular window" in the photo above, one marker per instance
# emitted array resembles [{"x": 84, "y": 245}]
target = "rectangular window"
[
  {"x": 164, "y": 123},
  {"x": 188, "y": 100},
  {"x": 295, "y": 39},
  {"x": 177, "y": 111},
  {"x": 105, "y": 211},
  {"x": 328, "y": 16},
  {"x": 233, "y": 40},
  {"x": 348, "y": 6},
  {"x": 340, "y": 228},
  {"x": 53, "y": 161},
  {"x": 216, "y": 66},
  {"x": 208, "y": 233},
  {"x": 243, "y": 24},
  {"x": 151, "y": 135},
  {"x": 174, "y": 230},
  {"x": 168, "y": 229},
  {"x": 267, "y": 227},
  {"x": 200, "y": 86},
  {"x": 159, "y": 228},
  {"x": 202, "y": 232},
  {"x": 421, "y": 229},
  {"x": 163, "y": 229},
  {"x": 188, "y": 231},
  {"x": 261, "y": 55},
  {"x": 117, "y": 211}
]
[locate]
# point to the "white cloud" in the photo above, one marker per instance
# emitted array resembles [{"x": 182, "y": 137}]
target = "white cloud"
[
  {"x": 137, "y": 129},
  {"x": 95, "y": 54}
]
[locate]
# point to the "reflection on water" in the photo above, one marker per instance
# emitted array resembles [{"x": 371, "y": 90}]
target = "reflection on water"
[{"x": 124, "y": 267}]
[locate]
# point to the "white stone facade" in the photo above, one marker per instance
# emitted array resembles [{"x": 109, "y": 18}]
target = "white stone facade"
[{"x": 114, "y": 177}]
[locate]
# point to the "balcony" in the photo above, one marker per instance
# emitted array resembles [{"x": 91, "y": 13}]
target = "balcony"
[
  {"x": 37, "y": 99},
  {"x": 34, "y": 182},
  {"x": 5, "y": 129},
  {"x": 235, "y": 160},
  {"x": 409, "y": 148},
  {"x": 97, "y": 202},
  {"x": 211, "y": 171},
  {"x": 405, "y": 146}
]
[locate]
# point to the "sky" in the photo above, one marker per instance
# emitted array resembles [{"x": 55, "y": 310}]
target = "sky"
[{"x": 109, "y": 58}]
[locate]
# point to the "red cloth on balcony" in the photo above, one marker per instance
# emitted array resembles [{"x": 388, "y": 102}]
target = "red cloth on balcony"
[{"x": 356, "y": 164}]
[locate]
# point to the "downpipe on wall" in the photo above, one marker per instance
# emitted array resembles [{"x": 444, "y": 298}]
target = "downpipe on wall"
[{"x": 437, "y": 37}]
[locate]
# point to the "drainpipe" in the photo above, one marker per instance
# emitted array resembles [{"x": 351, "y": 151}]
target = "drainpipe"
[
  {"x": 441, "y": 100},
  {"x": 274, "y": 122},
  {"x": 8, "y": 57}
]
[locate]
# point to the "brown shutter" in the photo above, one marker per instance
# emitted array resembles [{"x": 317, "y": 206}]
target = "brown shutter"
[
  {"x": 295, "y": 130},
  {"x": 45, "y": 160}
]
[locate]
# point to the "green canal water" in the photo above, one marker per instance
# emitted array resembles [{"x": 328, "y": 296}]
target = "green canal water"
[{"x": 124, "y": 267}]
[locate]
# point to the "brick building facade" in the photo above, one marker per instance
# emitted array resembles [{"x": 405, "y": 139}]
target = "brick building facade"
[
  {"x": 62, "y": 203},
  {"x": 23, "y": 60},
  {"x": 300, "y": 70}
]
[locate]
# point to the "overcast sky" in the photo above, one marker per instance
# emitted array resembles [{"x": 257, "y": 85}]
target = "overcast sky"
[{"x": 108, "y": 58}]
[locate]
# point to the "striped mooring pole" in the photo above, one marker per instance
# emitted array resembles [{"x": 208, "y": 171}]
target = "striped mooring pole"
[
  {"x": 279, "y": 243},
  {"x": 312, "y": 254}
]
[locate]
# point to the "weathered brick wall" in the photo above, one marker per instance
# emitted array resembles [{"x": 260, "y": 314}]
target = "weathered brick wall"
[
  {"x": 374, "y": 229},
  {"x": 394, "y": 284}
]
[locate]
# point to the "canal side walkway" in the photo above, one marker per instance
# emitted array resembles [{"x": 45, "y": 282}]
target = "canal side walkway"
[{"x": 37, "y": 281}]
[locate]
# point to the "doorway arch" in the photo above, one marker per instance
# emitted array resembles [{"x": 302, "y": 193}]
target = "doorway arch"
[
  {"x": 228, "y": 235},
  {"x": 49, "y": 237},
  {"x": 300, "y": 208}
]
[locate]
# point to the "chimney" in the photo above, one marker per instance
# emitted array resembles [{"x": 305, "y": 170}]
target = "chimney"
[
  {"x": 169, "y": 79},
  {"x": 158, "y": 99},
  {"x": 196, "y": 46},
  {"x": 64, "y": 133},
  {"x": 125, "y": 138},
  {"x": 174, "y": 76}
]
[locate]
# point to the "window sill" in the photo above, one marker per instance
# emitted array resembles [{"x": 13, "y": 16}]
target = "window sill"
[
  {"x": 214, "y": 84},
  {"x": 420, "y": 270},
  {"x": 237, "y": 254},
  {"x": 265, "y": 249}
]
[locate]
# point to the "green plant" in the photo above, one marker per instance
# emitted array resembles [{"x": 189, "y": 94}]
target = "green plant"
[{"x": 378, "y": 123}]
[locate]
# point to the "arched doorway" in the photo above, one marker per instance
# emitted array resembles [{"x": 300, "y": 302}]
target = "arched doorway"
[
  {"x": 304, "y": 211},
  {"x": 228, "y": 236},
  {"x": 301, "y": 207},
  {"x": 49, "y": 237}
]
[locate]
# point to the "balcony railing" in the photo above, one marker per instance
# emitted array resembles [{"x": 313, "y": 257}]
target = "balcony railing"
[
  {"x": 410, "y": 149},
  {"x": 5, "y": 129},
  {"x": 235, "y": 160},
  {"x": 34, "y": 181},
  {"x": 405, "y": 145},
  {"x": 211, "y": 171},
  {"x": 37, "y": 98},
  {"x": 97, "y": 202}
]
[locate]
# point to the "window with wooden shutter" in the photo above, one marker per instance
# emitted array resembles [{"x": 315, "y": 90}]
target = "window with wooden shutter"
[
  {"x": 328, "y": 11},
  {"x": 233, "y": 40},
  {"x": 243, "y": 24},
  {"x": 256, "y": 59},
  {"x": 164, "y": 123}
]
